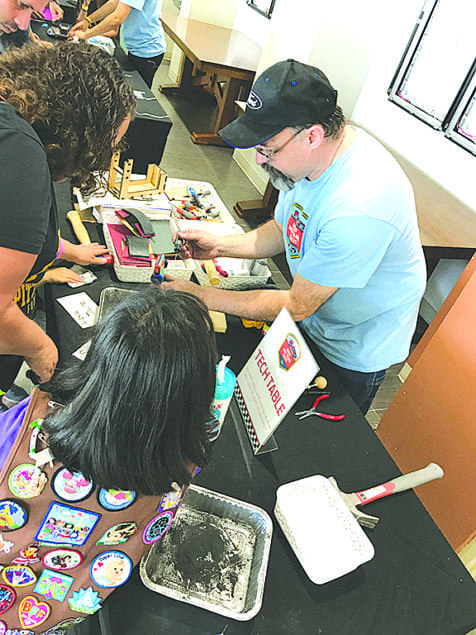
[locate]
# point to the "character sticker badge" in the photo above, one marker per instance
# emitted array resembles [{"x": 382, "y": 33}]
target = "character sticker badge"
[
  {"x": 62, "y": 559},
  {"x": 18, "y": 576},
  {"x": 71, "y": 487},
  {"x": 289, "y": 352},
  {"x": 3, "y": 627},
  {"x": 118, "y": 534},
  {"x": 110, "y": 569},
  {"x": 7, "y": 598},
  {"x": 26, "y": 481},
  {"x": 53, "y": 585},
  {"x": 65, "y": 525},
  {"x": 33, "y": 613},
  {"x": 29, "y": 555},
  {"x": 157, "y": 527},
  {"x": 12, "y": 515},
  {"x": 115, "y": 499}
]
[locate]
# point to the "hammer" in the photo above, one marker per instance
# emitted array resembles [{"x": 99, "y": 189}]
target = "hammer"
[{"x": 399, "y": 484}]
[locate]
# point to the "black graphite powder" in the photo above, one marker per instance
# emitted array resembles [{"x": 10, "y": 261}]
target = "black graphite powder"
[{"x": 205, "y": 557}]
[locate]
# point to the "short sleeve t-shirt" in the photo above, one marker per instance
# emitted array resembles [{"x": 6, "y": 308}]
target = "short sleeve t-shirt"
[{"x": 355, "y": 228}]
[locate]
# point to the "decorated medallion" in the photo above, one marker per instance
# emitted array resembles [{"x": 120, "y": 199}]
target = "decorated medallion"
[
  {"x": 26, "y": 481},
  {"x": 28, "y": 556},
  {"x": 157, "y": 527},
  {"x": 110, "y": 569},
  {"x": 12, "y": 515},
  {"x": 62, "y": 559},
  {"x": 171, "y": 499},
  {"x": 5, "y": 546},
  {"x": 71, "y": 486},
  {"x": 115, "y": 499}
]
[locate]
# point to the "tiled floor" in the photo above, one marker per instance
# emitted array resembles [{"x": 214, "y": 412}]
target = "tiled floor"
[{"x": 196, "y": 112}]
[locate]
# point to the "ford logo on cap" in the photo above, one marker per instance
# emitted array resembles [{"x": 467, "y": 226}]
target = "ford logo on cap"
[{"x": 254, "y": 102}]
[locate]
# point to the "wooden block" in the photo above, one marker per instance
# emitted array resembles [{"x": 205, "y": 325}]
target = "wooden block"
[{"x": 219, "y": 321}]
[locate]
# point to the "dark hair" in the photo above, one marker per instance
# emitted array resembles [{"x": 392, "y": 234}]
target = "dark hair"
[
  {"x": 75, "y": 96},
  {"x": 137, "y": 406},
  {"x": 333, "y": 125}
]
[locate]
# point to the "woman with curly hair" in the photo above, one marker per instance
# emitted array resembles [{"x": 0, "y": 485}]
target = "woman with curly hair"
[{"x": 63, "y": 112}]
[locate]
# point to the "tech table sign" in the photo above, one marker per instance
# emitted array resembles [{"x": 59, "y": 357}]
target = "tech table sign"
[{"x": 273, "y": 378}]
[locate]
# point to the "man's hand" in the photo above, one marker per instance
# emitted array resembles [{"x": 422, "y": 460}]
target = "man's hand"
[
  {"x": 181, "y": 285},
  {"x": 198, "y": 244},
  {"x": 44, "y": 362},
  {"x": 56, "y": 12}
]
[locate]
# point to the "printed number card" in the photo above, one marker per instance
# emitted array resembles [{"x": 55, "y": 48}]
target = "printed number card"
[{"x": 274, "y": 377}]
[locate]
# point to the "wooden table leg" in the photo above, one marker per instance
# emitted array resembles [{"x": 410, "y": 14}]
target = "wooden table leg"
[
  {"x": 226, "y": 93},
  {"x": 258, "y": 207}
]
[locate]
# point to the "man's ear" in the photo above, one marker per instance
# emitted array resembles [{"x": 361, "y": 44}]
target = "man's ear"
[{"x": 316, "y": 135}]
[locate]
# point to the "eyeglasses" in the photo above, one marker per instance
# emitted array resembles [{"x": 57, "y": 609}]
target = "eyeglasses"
[{"x": 270, "y": 154}]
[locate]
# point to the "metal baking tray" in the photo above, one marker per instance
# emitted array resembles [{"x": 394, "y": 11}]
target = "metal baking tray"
[
  {"x": 108, "y": 299},
  {"x": 214, "y": 556}
]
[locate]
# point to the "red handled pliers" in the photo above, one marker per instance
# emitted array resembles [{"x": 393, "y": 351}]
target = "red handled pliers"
[{"x": 312, "y": 411}]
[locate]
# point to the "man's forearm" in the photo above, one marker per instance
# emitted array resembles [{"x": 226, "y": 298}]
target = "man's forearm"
[
  {"x": 263, "y": 242},
  {"x": 256, "y": 304}
]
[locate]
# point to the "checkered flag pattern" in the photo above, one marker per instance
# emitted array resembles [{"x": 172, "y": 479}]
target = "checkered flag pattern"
[{"x": 255, "y": 444}]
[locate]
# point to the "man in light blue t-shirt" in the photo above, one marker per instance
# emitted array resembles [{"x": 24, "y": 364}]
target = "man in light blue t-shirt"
[
  {"x": 142, "y": 31},
  {"x": 346, "y": 220}
]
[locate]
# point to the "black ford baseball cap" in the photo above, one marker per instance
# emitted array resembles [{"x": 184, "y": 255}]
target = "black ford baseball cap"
[{"x": 288, "y": 93}]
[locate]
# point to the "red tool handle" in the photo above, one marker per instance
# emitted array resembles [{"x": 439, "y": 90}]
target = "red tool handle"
[{"x": 323, "y": 414}]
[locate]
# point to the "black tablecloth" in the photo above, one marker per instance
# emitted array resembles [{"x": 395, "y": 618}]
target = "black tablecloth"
[{"x": 415, "y": 584}]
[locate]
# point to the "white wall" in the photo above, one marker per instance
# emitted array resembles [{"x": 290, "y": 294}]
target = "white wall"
[{"x": 444, "y": 161}]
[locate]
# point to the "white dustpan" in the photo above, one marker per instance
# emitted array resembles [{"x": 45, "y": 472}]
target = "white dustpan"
[{"x": 326, "y": 538}]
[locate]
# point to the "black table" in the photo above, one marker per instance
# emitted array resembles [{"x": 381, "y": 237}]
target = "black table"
[{"x": 415, "y": 584}]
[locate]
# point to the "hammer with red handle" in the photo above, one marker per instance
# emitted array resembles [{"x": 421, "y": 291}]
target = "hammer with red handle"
[{"x": 399, "y": 484}]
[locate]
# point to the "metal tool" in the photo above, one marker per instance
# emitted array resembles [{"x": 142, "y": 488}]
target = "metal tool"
[
  {"x": 313, "y": 411},
  {"x": 399, "y": 484}
]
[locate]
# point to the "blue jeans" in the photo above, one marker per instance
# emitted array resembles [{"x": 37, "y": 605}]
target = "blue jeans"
[{"x": 362, "y": 387}]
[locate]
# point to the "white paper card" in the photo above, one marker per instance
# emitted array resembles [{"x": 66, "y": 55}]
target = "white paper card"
[
  {"x": 81, "y": 308},
  {"x": 278, "y": 371}
]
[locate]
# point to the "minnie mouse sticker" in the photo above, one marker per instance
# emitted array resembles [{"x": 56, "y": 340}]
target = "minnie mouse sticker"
[{"x": 111, "y": 569}]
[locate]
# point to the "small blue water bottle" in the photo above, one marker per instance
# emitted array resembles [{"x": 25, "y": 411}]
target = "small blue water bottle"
[{"x": 226, "y": 381}]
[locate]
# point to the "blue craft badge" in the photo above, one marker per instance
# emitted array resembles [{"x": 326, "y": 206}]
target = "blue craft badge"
[
  {"x": 53, "y": 585},
  {"x": 157, "y": 527},
  {"x": 85, "y": 601},
  {"x": 18, "y": 576},
  {"x": 110, "y": 569},
  {"x": 26, "y": 481},
  {"x": 62, "y": 559},
  {"x": 115, "y": 499},
  {"x": 12, "y": 515},
  {"x": 65, "y": 525},
  {"x": 118, "y": 534},
  {"x": 71, "y": 486}
]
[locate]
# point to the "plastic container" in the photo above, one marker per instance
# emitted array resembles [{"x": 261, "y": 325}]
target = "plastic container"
[{"x": 226, "y": 381}]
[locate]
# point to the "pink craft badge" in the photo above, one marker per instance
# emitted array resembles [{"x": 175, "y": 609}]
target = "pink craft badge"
[
  {"x": 3, "y": 627},
  {"x": 33, "y": 613},
  {"x": 26, "y": 481},
  {"x": 28, "y": 556},
  {"x": 289, "y": 352},
  {"x": 7, "y": 598}
]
